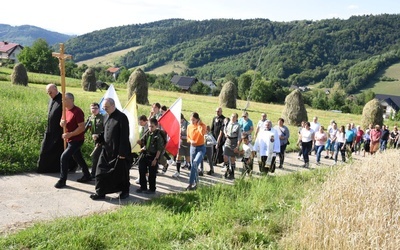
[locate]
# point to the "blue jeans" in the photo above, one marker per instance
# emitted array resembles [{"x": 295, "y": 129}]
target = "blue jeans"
[
  {"x": 196, "y": 157},
  {"x": 306, "y": 148},
  {"x": 73, "y": 150},
  {"x": 318, "y": 150},
  {"x": 338, "y": 147},
  {"x": 383, "y": 145}
]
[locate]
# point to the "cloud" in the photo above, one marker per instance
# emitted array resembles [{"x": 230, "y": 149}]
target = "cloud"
[{"x": 352, "y": 7}]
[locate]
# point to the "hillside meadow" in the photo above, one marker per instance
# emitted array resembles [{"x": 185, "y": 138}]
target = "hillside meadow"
[
  {"x": 391, "y": 87},
  {"x": 107, "y": 59}
]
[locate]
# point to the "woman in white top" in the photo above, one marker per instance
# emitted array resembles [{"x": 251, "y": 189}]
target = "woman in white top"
[
  {"x": 307, "y": 140},
  {"x": 340, "y": 144},
  {"x": 320, "y": 140}
]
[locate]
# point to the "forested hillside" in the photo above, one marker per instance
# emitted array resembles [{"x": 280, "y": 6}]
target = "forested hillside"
[
  {"x": 348, "y": 51},
  {"x": 26, "y": 35}
]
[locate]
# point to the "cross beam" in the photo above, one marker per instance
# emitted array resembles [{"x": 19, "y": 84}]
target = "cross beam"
[{"x": 61, "y": 63}]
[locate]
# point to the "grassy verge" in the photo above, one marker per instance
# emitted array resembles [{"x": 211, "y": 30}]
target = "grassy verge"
[{"x": 252, "y": 214}]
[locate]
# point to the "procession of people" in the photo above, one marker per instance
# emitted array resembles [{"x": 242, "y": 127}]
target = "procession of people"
[{"x": 222, "y": 143}]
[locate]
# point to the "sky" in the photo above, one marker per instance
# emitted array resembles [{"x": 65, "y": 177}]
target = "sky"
[{"x": 77, "y": 17}]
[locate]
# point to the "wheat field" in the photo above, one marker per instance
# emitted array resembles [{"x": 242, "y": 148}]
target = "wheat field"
[{"x": 357, "y": 208}]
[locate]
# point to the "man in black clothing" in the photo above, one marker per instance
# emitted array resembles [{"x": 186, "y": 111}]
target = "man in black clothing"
[
  {"x": 384, "y": 138},
  {"x": 152, "y": 147},
  {"x": 52, "y": 144},
  {"x": 112, "y": 174},
  {"x": 216, "y": 128}
]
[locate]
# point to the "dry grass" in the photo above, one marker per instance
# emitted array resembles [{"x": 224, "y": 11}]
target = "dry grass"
[{"x": 357, "y": 208}]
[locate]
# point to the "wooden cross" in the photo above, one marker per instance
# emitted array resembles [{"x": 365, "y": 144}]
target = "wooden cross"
[{"x": 61, "y": 59}]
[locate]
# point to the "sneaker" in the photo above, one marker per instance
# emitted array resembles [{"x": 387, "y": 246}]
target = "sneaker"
[
  {"x": 137, "y": 181},
  {"x": 176, "y": 175},
  {"x": 327, "y": 157},
  {"x": 84, "y": 179},
  {"x": 173, "y": 163},
  {"x": 60, "y": 184},
  {"x": 211, "y": 172},
  {"x": 280, "y": 166},
  {"x": 164, "y": 170},
  {"x": 191, "y": 188},
  {"x": 170, "y": 161},
  {"x": 331, "y": 158},
  {"x": 201, "y": 173},
  {"x": 224, "y": 169}
]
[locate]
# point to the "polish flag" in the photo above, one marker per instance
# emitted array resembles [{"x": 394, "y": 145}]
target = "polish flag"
[{"x": 171, "y": 123}]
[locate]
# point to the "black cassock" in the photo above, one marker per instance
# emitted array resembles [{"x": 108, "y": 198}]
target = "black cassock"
[
  {"x": 216, "y": 127},
  {"x": 52, "y": 144},
  {"x": 112, "y": 174}
]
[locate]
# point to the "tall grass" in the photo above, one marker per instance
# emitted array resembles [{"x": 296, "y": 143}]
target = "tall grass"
[
  {"x": 358, "y": 208},
  {"x": 252, "y": 214}
]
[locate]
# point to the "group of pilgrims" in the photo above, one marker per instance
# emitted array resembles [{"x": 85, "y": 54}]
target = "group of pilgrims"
[{"x": 221, "y": 143}]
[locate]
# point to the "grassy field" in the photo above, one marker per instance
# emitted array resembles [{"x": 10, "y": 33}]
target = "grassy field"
[
  {"x": 177, "y": 67},
  {"x": 387, "y": 87},
  {"x": 107, "y": 59}
]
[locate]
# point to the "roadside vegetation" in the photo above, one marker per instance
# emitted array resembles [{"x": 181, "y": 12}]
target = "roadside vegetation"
[{"x": 252, "y": 214}]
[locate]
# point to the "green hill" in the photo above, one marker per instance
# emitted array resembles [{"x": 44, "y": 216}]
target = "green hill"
[
  {"x": 26, "y": 35},
  {"x": 304, "y": 52},
  {"x": 387, "y": 81}
]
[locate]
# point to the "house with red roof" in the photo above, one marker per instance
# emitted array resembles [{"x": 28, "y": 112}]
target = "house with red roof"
[
  {"x": 9, "y": 51},
  {"x": 114, "y": 72}
]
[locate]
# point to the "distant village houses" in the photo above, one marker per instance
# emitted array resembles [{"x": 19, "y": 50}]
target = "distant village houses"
[
  {"x": 114, "y": 72},
  {"x": 185, "y": 82},
  {"x": 390, "y": 105},
  {"x": 9, "y": 52}
]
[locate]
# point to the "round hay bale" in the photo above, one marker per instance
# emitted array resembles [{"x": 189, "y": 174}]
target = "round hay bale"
[
  {"x": 372, "y": 114},
  {"x": 19, "y": 75},
  {"x": 89, "y": 80},
  {"x": 227, "y": 96},
  {"x": 137, "y": 84},
  {"x": 294, "y": 111}
]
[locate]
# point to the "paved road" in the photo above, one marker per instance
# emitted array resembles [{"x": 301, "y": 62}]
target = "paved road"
[{"x": 27, "y": 198}]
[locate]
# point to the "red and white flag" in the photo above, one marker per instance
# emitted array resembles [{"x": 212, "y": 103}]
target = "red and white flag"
[{"x": 171, "y": 123}]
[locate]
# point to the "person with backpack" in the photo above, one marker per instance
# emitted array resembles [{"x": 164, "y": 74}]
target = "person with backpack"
[{"x": 152, "y": 148}]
